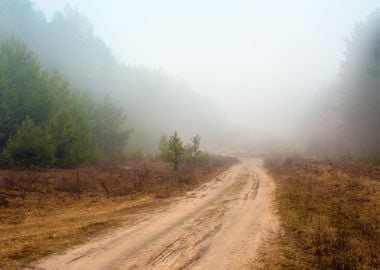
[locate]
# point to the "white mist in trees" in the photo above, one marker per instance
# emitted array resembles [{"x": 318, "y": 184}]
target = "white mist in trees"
[
  {"x": 360, "y": 85},
  {"x": 45, "y": 123},
  {"x": 348, "y": 123},
  {"x": 67, "y": 42},
  {"x": 108, "y": 134}
]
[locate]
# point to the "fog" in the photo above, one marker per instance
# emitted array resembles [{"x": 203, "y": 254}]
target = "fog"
[{"x": 262, "y": 64}]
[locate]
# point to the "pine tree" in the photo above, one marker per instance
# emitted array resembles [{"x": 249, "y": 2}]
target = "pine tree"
[
  {"x": 172, "y": 150},
  {"x": 30, "y": 146}
]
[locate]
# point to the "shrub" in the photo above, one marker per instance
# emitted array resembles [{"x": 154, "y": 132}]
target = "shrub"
[
  {"x": 30, "y": 146},
  {"x": 172, "y": 150}
]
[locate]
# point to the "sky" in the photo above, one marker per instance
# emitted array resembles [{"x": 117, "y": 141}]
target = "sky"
[{"x": 254, "y": 58}]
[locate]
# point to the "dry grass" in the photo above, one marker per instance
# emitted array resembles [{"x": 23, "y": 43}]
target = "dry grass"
[
  {"x": 330, "y": 215},
  {"x": 45, "y": 212}
]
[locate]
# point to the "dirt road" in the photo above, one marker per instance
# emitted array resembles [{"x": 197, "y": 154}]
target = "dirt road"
[{"x": 218, "y": 226}]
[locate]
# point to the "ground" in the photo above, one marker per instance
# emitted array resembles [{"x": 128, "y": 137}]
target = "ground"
[
  {"x": 290, "y": 214},
  {"x": 44, "y": 212},
  {"x": 221, "y": 224},
  {"x": 329, "y": 214}
]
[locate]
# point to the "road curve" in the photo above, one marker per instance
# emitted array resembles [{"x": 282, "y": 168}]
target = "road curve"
[{"x": 218, "y": 226}]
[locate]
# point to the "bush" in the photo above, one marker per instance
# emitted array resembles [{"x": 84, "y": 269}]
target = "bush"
[
  {"x": 193, "y": 154},
  {"x": 71, "y": 147},
  {"x": 30, "y": 146},
  {"x": 172, "y": 150}
]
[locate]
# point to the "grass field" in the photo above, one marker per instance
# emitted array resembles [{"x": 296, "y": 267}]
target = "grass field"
[
  {"x": 45, "y": 212},
  {"x": 330, "y": 215}
]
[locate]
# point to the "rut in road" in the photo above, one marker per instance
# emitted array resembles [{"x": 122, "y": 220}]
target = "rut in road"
[{"x": 218, "y": 226}]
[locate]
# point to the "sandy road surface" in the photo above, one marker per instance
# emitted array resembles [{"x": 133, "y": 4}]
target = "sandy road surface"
[{"x": 218, "y": 226}]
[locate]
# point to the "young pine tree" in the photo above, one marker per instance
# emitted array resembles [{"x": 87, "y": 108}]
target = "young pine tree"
[
  {"x": 172, "y": 150},
  {"x": 30, "y": 146}
]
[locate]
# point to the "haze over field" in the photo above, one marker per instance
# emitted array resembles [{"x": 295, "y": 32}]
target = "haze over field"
[
  {"x": 242, "y": 72},
  {"x": 173, "y": 134},
  {"x": 264, "y": 62}
]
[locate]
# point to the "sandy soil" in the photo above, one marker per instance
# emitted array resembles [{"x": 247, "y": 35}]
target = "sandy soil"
[{"x": 221, "y": 225}]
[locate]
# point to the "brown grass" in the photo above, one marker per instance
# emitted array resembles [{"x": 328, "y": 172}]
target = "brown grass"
[
  {"x": 330, "y": 215},
  {"x": 45, "y": 212}
]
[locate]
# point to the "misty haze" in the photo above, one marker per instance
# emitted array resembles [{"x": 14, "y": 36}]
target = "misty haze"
[{"x": 175, "y": 134}]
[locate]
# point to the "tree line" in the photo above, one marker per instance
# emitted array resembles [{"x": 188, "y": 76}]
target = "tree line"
[
  {"x": 44, "y": 122},
  {"x": 67, "y": 42},
  {"x": 348, "y": 120}
]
